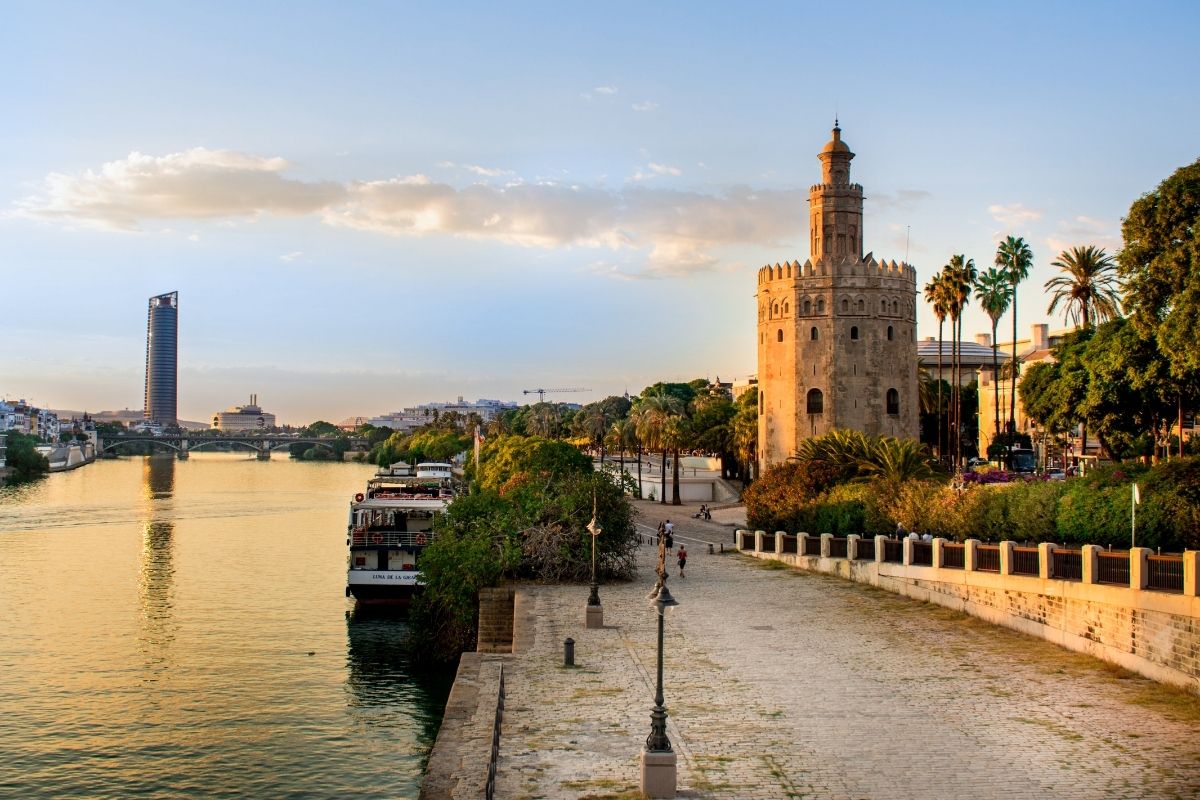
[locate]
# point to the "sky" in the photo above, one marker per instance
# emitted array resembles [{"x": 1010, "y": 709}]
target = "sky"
[{"x": 367, "y": 206}]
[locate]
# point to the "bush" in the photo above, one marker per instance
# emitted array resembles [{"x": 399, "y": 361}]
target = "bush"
[{"x": 1169, "y": 516}]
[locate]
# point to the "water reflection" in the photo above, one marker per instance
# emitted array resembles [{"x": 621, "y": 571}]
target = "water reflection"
[
  {"x": 156, "y": 576},
  {"x": 380, "y": 674}
]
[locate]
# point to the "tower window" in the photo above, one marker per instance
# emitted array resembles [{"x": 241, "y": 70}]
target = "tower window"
[
  {"x": 845, "y": 306},
  {"x": 807, "y": 306},
  {"x": 779, "y": 335},
  {"x": 854, "y": 332},
  {"x": 762, "y": 402},
  {"x": 895, "y": 306},
  {"x": 893, "y": 402},
  {"x": 785, "y": 308},
  {"x": 820, "y": 305},
  {"x": 861, "y": 306},
  {"x": 816, "y": 402},
  {"x": 775, "y": 310},
  {"x": 813, "y": 334},
  {"x": 891, "y": 333}
]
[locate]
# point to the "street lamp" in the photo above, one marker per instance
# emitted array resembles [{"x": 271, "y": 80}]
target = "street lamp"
[
  {"x": 594, "y": 617},
  {"x": 658, "y": 759}
]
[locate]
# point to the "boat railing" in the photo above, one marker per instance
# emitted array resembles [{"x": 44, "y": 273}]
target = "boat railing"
[
  {"x": 365, "y": 537},
  {"x": 397, "y": 494}
]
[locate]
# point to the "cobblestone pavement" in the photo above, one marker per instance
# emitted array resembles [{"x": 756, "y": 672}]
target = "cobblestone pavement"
[{"x": 784, "y": 684}]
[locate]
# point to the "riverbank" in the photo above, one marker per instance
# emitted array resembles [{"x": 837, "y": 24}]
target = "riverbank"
[{"x": 781, "y": 683}]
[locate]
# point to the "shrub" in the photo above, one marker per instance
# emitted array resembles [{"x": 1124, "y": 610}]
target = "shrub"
[{"x": 1169, "y": 516}]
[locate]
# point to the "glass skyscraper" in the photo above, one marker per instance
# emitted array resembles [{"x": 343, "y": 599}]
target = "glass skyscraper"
[{"x": 162, "y": 359}]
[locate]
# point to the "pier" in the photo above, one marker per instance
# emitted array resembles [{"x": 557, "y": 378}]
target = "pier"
[{"x": 782, "y": 683}]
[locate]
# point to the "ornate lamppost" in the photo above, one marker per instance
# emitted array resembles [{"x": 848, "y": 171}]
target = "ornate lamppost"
[
  {"x": 594, "y": 617},
  {"x": 659, "y": 771}
]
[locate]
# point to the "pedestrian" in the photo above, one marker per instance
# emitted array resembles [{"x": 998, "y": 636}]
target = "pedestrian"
[
  {"x": 670, "y": 527},
  {"x": 670, "y": 540},
  {"x": 682, "y": 560}
]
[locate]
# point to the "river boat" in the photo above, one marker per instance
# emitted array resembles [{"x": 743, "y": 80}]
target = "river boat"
[{"x": 391, "y": 523}]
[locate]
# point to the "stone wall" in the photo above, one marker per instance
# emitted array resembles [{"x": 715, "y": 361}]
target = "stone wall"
[
  {"x": 496, "y": 620},
  {"x": 1153, "y": 633}
]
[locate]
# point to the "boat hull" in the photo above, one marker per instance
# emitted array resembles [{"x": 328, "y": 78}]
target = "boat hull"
[{"x": 373, "y": 587}]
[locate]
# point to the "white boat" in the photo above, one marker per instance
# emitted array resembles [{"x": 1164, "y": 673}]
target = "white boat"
[{"x": 390, "y": 523}]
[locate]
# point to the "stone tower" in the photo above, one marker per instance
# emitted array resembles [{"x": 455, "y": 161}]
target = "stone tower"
[{"x": 837, "y": 334}]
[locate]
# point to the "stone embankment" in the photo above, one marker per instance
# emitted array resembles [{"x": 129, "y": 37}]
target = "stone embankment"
[{"x": 782, "y": 683}]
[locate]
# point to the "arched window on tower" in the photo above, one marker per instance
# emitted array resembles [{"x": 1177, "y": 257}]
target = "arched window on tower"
[
  {"x": 893, "y": 402},
  {"x": 785, "y": 308},
  {"x": 854, "y": 332},
  {"x": 807, "y": 306},
  {"x": 816, "y": 402},
  {"x": 861, "y": 306},
  {"x": 820, "y": 305},
  {"x": 813, "y": 334},
  {"x": 779, "y": 335},
  {"x": 891, "y": 333},
  {"x": 895, "y": 306},
  {"x": 775, "y": 310}
]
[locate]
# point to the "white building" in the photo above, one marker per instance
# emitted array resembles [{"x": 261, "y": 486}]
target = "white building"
[
  {"x": 243, "y": 418},
  {"x": 416, "y": 416},
  {"x": 23, "y": 418}
]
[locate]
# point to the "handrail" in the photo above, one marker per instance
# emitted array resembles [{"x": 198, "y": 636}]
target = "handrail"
[{"x": 489, "y": 790}]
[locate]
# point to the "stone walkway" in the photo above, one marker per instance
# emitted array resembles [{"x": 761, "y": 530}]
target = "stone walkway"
[{"x": 783, "y": 684}]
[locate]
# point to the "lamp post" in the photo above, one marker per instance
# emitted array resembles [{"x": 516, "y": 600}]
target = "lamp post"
[
  {"x": 658, "y": 759},
  {"x": 594, "y": 617}
]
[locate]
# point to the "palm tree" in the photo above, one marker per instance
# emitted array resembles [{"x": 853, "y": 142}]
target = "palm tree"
[
  {"x": 1089, "y": 286},
  {"x": 960, "y": 276},
  {"x": 745, "y": 433},
  {"x": 675, "y": 435},
  {"x": 634, "y": 421},
  {"x": 935, "y": 296},
  {"x": 1016, "y": 259},
  {"x": 656, "y": 410},
  {"x": 992, "y": 292}
]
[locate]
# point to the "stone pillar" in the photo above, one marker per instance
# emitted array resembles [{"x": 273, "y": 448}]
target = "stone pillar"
[
  {"x": 938, "y": 541},
  {"x": 852, "y": 547},
  {"x": 1006, "y": 557},
  {"x": 825, "y": 537},
  {"x": 759, "y": 536},
  {"x": 879, "y": 540},
  {"x": 1191, "y": 573},
  {"x": 594, "y": 616},
  {"x": 1046, "y": 560},
  {"x": 737, "y": 537},
  {"x": 1090, "y": 556},
  {"x": 658, "y": 774},
  {"x": 907, "y": 550},
  {"x": 779, "y": 542},
  {"x": 970, "y": 555},
  {"x": 1139, "y": 572}
]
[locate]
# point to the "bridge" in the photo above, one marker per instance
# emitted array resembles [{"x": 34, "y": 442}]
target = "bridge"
[{"x": 261, "y": 443}]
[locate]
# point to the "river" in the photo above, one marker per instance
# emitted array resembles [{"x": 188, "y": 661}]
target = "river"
[{"x": 180, "y": 629}]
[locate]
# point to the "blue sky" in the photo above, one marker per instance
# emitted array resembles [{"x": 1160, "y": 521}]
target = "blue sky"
[{"x": 367, "y": 206}]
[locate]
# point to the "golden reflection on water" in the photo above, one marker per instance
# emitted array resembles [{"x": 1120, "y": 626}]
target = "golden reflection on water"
[{"x": 178, "y": 629}]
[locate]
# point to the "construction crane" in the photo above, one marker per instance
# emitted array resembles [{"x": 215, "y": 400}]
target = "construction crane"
[{"x": 541, "y": 393}]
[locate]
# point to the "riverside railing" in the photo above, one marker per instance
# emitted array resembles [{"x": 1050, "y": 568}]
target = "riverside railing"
[{"x": 1138, "y": 568}]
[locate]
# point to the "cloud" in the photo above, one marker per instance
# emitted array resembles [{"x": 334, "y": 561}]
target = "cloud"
[
  {"x": 645, "y": 105},
  {"x": 656, "y": 231},
  {"x": 1082, "y": 231},
  {"x": 653, "y": 170},
  {"x": 195, "y": 184},
  {"x": 601, "y": 90},
  {"x": 1014, "y": 215},
  {"x": 195, "y": 237},
  {"x": 292, "y": 256},
  {"x": 487, "y": 172}
]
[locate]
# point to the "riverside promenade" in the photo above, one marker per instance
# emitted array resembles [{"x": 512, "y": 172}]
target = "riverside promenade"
[{"x": 785, "y": 684}]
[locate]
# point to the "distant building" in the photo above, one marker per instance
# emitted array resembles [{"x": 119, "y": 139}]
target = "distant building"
[
  {"x": 162, "y": 359},
  {"x": 3, "y": 449},
  {"x": 836, "y": 334},
  {"x": 973, "y": 356},
  {"x": 243, "y": 418},
  {"x": 743, "y": 385},
  {"x": 416, "y": 416},
  {"x": 21, "y": 417}
]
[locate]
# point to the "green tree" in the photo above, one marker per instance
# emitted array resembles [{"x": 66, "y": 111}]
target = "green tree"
[
  {"x": 992, "y": 292},
  {"x": 24, "y": 462},
  {"x": 1016, "y": 259},
  {"x": 656, "y": 407},
  {"x": 1160, "y": 267},
  {"x": 1088, "y": 289},
  {"x": 745, "y": 433},
  {"x": 320, "y": 428}
]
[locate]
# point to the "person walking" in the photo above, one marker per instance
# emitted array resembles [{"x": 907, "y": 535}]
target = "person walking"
[
  {"x": 682, "y": 560},
  {"x": 670, "y": 539}
]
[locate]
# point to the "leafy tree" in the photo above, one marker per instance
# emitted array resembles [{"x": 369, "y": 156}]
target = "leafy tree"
[
  {"x": 507, "y": 461},
  {"x": 320, "y": 428},
  {"x": 1160, "y": 267},
  {"x": 745, "y": 432},
  {"x": 992, "y": 292},
  {"x": 1016, "y": 259},
  {"x": 24, "y": 462},
  {"x": 1088, "y": 290}
]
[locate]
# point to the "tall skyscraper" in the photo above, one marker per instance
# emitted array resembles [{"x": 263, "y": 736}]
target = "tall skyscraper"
[{"x": 162, "y": 359}]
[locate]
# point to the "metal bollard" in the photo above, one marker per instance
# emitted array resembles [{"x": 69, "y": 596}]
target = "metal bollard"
[
  {"x": 722, "y": 547},
  {"x": 568, "y": 652},
  {"x": 710, "y": 548}
]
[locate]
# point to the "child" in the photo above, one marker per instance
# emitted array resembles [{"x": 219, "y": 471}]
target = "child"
[{"x": 682, "y": 560}]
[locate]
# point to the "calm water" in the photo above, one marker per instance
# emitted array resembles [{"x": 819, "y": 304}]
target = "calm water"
[{"x": 179, "y": 628}]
